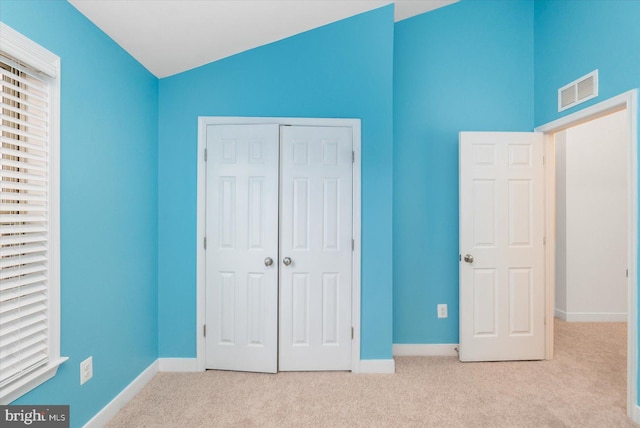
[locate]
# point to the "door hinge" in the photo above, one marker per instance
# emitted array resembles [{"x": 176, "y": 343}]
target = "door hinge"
[
  {"x": 205, "y": 155},
  {"x": 205, "y": 242},
  {"x": 352, "y": 333},
  {"x": 627, "y": 273},
  {"x": 353, "y": 156},
  {"x": 544, "y": 240},
  {"x": 204, "y": 330},
  {"x": 353, "y": 244}
]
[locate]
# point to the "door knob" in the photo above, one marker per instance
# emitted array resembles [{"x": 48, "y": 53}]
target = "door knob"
[
  {"x": 468, "y": 258},
  {"x": 286, "y": 261},
  {"x": 268, "y": 261}
]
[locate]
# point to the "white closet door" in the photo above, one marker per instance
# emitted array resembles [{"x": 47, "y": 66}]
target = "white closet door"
[
  {"x": 315, "y": 236},
  {"x": 242, "y": 235}
]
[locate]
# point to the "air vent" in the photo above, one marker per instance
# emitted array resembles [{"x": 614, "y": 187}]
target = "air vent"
[
  {"x": 567, "y": 97},
  {"x": 578, "y": 91}
]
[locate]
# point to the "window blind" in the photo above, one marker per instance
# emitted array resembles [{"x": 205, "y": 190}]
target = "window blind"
[{"x": 24, "y": 222}]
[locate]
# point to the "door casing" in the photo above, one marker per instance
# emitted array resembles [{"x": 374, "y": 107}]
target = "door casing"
[
  {"x": 626, "y": 101},
  {"x": 203, "y": 122}
]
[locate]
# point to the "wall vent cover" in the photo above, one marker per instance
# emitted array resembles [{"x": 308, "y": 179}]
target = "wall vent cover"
[{"x": 578, "y": 91}]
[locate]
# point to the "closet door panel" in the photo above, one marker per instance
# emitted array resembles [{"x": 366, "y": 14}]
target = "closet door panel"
[
  {"x": 242, "y": 235},
  {"x": 315, "y": 248}
]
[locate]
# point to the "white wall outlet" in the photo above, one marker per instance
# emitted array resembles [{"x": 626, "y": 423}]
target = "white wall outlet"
[
  {"x": 442, "y": 310},
  {"x": 86, "y": 370}
]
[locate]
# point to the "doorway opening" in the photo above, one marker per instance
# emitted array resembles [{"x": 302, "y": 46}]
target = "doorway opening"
[{"x": 563, "y": 297}]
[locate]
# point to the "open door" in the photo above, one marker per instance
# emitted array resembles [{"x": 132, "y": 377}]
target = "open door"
[{"x": 502, "y": 295}]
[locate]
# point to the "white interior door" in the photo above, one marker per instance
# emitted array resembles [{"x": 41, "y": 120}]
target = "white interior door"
[
  {"x": 315, "y": 248},
  {"x": 242, "y": 233},
  {"x": 501, "y": 245}
]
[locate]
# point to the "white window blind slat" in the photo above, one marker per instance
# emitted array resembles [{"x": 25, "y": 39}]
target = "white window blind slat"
[
  {"x": 30, "y": 345},
  {"x": 12, "y": 306},
  {"x": 22, "y": 239},
  {"x": 6, "y": 251},
  {"x": 23, "y": 176},
  {"x": 33, "y": 138},
  {"x": 24, "y": 165},
  {"x": 17, "y": 186},
  {"x": 26, "y": 121},
  {"x": 17, "y": 196},
  {"x": 24, "y": 154},
  {"x": 17, "y": 358},
  {"x": 15, "y": 262},
  {"x": 22, "y": 269},
  {"x": 26, "y": 79},
  {"x": 24, "y": 228},
  {"x": 31, "y": 117},
  {"x": 20, "y": 281},
  {"x": 25, "y": 336},
  {"x": 22, "y": 207},
  {"x": 27, "y": 349},
  {"x": 34, "y": 93},
  {"x": 15, "y": 366},
  {"x": 25, "y": 311},
  {"x": 23, "y": 160},
  {"x": 23, "y": 323},
  {"x": 42, "y": 109},
  {"x": 17, "y": 218},
  {"x": 23, "y": 144},
  {"x": 16, "y": 294}
]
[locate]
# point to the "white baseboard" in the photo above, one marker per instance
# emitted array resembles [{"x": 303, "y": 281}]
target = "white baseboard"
[
  {"x": 591, "y": 316},
  {"x": 425, "y": 350},
  {"x": 114, "y": 406},
  {"x": 378, "y": 366},
  {"x": 560, "y": 314},
  {"x": 178, "y": 365},
  {"x": 635, "y": 417}
]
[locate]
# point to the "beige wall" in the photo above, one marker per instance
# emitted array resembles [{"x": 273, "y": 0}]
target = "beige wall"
[{"x": 591, "y": 191}]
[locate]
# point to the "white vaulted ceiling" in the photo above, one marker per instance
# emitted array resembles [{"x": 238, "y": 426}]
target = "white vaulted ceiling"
[{"x": 172, "y": 36}]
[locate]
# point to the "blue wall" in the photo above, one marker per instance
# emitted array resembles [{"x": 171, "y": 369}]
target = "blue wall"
[
  {"x": 465, "y": 67},
  {"x": 601, "y": 34},
  {"x": 340, "y": 70},
  {"x": 109, "y": 119}
]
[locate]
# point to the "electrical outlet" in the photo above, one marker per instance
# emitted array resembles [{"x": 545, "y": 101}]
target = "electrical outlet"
[
  {"x": 86, "y": 370},
  {"x": 442, "y": 310}
]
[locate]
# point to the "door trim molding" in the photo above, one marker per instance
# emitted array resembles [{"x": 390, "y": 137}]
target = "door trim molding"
[
  {"x": 626, "y": 101},
  {"x": 203, "y": 122}
]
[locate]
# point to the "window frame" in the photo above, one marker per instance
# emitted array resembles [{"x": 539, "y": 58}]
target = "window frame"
[{"x": 26, "y": 52}]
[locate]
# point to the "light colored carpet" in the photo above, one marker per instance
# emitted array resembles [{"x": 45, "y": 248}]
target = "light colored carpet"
[{"x": 584, "y": 386}]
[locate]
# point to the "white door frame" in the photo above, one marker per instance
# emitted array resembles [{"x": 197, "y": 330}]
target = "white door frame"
[
  {"x": 626, "y": 101},
  {"x": 203, "y": 122}
]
